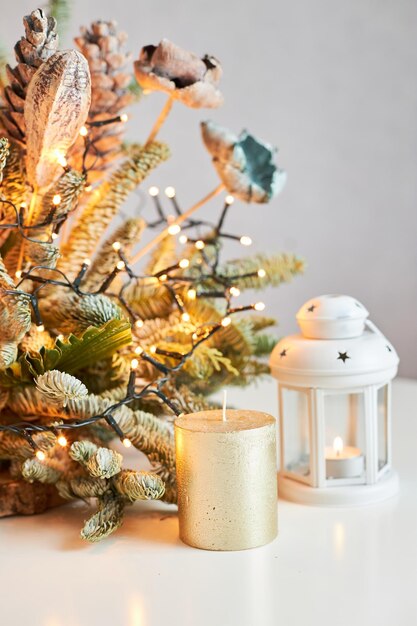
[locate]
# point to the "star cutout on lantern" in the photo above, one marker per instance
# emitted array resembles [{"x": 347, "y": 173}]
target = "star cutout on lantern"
[
  {"x": 343, "y": 356},
  {"x": 283, "y": 353},
  {"x": 311, "y": 308}
]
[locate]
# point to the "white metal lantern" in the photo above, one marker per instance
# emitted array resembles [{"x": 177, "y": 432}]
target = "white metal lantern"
[{"x": 334, "y": 389}]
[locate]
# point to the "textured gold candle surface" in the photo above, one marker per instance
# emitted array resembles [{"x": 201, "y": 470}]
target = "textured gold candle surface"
[{"x": 227, "y": 479}]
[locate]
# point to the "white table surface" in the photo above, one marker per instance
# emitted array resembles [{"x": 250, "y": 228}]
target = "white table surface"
[{"x": 334, "y": 567}]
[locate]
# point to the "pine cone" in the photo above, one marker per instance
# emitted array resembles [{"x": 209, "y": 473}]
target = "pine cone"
[
  {"x": 103, "y": 47},
  {"x": 40, "y": 42}
]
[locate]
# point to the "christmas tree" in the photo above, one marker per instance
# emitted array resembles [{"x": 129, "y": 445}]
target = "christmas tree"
[{"x": 102, "y": 337}]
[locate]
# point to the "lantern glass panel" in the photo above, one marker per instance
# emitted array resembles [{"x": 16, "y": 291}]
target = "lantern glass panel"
[
  {"x": 345, "y": 436},
  {"x": 295, "y": 432},
  {"x": 382, "y": 409}
]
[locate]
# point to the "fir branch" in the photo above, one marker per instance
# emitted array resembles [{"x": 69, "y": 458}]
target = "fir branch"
[
  {"x": 260, "y": 322},
  {"x": 264, "y": 344},
  {"x": 148, "y": 299},
  {"x": 163, "y": 255},
  {"x": 146, "y": 432},
  {"x": 207, "y": 360},
  {"x": 138, "y": 485},
  {"x": 127, "y": 235},
  {"x": 108, "y": 518},
  {"x": 278, "y": 269},
  {"x": 87, "y": 487},
  {"x": 82, "y": 451},
  {"x": 71, "y": 313},
  {"x": 68, "y": 187},
  {"x": 60, "y": 387},
  {"x": 104, "y": 463},
  {"x": 35, "y": 340},
  {"x": 33, "y": 470},
  {"x": 188, "y": 400},
  {"x": 106, "y": 202},
  {"x": 15, "y": 447}
]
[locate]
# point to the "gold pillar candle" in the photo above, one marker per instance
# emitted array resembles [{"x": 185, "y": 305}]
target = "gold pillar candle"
[{"x": 227, "y": 479}]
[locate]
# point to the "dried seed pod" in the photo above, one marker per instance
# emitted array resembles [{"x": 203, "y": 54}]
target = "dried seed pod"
[
  {"x": 181, "y": 74},
  {"x": 56, "y": 107}
]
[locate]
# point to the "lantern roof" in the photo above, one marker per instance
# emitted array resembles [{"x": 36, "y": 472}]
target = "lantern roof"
[
  {"x": 334, "y": 349},
  {"x": 332, "y": 316}
]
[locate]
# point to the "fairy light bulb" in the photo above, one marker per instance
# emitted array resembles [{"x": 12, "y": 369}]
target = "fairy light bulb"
[
  {"x": 138, "y": 350},
  {"x": 153, "y": 191},
  {"x": 229, "y": 200},
  {"x": 40, "y": 455},
  {"x": 120, "y": 265},
  {"x": 185, "y": 317},
  {"x": 163, "y": 278},
  {"x": 60, "y": 157},
  {"x": 259, "y": 306},
  {"x": 226, "y": 321},
  {"x": 139, "y": 323},
  {"x": 40, "y": 328},
  {"x": 170, "y": 192},
  {"x": 194, "y": 336},
  {"x": 23, "y": 205},
  {"x": 191, "y": 294},
  {"x": 126, "y": 442},
  {"x": 54, "y": 236},
  {"x": 183, "y": 239},
  {"x": 234, "y": 291},
  {"x": 88, "y": 188},
  {"x": 134, "y": 364},
  {"x": 245, "y": 240},
  {"x": 174, "y": 229},
  {"x": 152, "y": 349},
  {"x": 116, "y": 245},
  {"x": 184, "y": 263},
  {"x": 199, "y": 244},
  {"x": 18, "y": 274},
  {"x": 87, "y": 262},
  {"x": 261, "y": 273},
  {"x": 83, "y": 131},
  {"x": 56, "y": 199},
  {"x": 60, "y": 337},
  {"x": 62, "y": 441}
]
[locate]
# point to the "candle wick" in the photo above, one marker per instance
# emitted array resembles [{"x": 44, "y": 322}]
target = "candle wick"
[{"x": 224, "y": 405}]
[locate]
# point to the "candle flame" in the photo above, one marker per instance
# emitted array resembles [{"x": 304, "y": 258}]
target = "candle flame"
[{"x": 338, "y": 445}]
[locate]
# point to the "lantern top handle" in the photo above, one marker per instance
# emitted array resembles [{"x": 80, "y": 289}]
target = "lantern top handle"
[{"x": 332, "y": 317}]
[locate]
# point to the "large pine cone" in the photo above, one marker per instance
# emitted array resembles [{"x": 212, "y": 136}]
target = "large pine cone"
[
  {"x": 40, "y": 42},
  {"x": 103, "y": 48}
]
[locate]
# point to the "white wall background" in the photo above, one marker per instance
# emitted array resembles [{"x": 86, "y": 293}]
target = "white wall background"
[{"x": 333, "y": 84}]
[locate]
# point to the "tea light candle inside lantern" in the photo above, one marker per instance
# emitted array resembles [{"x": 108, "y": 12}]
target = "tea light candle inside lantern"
[
  {"x": 227, "y": 479},
  {"x": 343, "y": 461}
]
